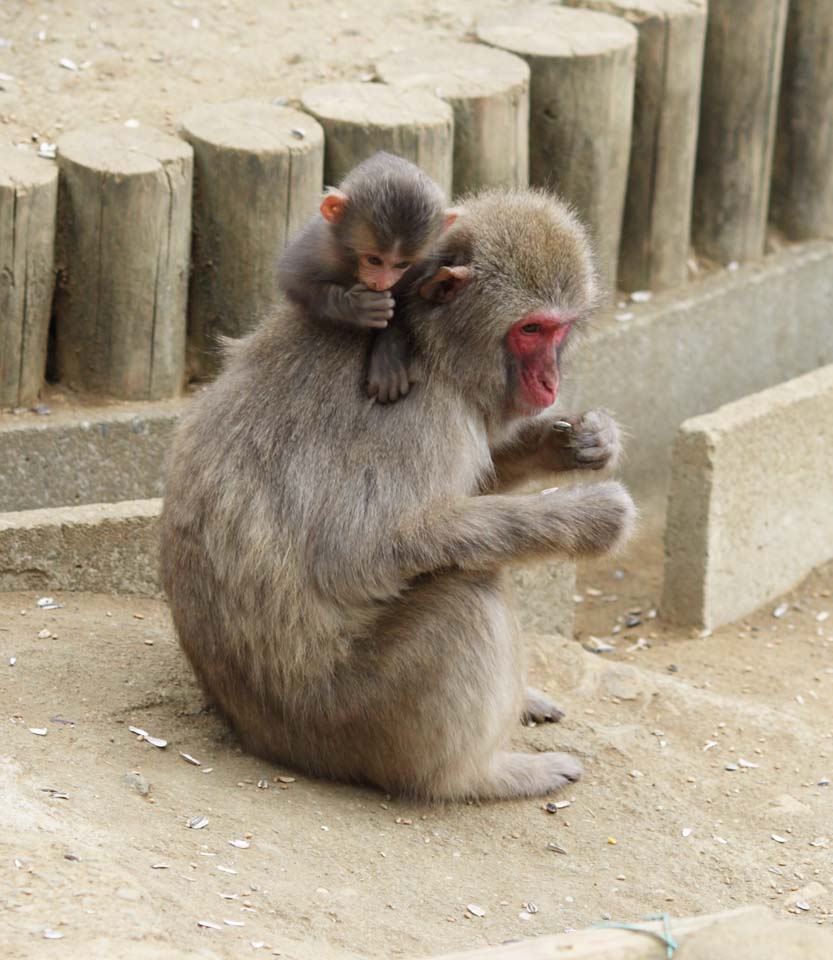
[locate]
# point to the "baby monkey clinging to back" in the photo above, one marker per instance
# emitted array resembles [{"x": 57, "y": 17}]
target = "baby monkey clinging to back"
[{"x": 382, "y": 219}]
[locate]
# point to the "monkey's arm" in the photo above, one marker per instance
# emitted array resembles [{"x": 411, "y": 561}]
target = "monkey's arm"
[
  {"x": 486, "y": 532},
  {"x": 310, "y": 276},
  {"x": 589, "y": 441},
  {"x": 388, "y": 373}
]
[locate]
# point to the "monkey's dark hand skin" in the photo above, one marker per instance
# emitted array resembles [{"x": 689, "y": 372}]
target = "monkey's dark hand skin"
[
  {"x": 593, "y": 443},
  {"x": 359, "y": 306},
  {"x": 388, "y": 378},
  {"x": 555, "y": 444}
]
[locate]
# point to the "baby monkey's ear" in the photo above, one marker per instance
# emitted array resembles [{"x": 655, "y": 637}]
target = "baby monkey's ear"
[
  {"x": 333, "y": 205},
  {"x": 451, "y": 216},
  {"x": 446, "y": 283}
]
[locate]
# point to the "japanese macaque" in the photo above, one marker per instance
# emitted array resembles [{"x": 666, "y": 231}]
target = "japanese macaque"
[
  {"x": 336, "y": 570},
  {"x": 382, "y": 220}
]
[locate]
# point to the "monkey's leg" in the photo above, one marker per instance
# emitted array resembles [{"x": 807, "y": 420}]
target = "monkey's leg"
[
  {"x": 443, "y": 698},
  {"x": 538, "y": 708}
]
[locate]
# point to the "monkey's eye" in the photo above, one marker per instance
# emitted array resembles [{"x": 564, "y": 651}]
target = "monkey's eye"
[
  {"x": 374, "y": 261},
  {"x": 531, "y": 328},
  {"x": 404, "y": 265}
]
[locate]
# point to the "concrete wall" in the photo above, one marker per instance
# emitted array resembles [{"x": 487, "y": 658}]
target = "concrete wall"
[
  {"x": 102, "y": 547},
  {"x": 687, "y": 353},
  {"x": 751, "y": 504},
  {"x": 89, "y": 455}
]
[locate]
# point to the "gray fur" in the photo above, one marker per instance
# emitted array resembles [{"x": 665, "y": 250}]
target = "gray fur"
[{"x": 335, "y": 568}]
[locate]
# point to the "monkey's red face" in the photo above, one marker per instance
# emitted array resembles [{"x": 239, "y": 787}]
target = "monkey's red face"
[
  {"x": 381, "y": 271},
  {"x": 534, "y": 342}
]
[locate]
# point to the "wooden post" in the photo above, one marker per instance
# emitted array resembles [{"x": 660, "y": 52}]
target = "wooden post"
[
  {"x": 488, "y": 90},
  {"x": 669, "y": 65},
  {"x": 258, "y": 175},
  {"x": 581, "y": 104},
  {"x": 802, "y": 182},
  {"x": 361, "y": 118},
  {"x": 741, "y": 76},
  {"x": 124, "y": 231},
  {"x": 28, "y": 196}
]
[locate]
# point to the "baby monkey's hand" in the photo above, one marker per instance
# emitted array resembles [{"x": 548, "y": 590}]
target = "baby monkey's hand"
[{"x": 364, "y": 308}]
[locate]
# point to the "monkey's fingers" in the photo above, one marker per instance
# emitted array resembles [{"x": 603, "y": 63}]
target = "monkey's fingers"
[{"x": 593, "y": 458}]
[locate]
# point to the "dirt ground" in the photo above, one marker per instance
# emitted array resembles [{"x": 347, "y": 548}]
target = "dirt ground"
[
  {"x": 659, "y": 823},
  {"x": 152, "y": 61}
]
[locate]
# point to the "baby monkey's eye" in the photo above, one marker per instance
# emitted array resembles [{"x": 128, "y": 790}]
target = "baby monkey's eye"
[
  {"x": 404, "y": 265},
  {"x": 374, "y": 261},
  {"x": 531, "y": 328}
]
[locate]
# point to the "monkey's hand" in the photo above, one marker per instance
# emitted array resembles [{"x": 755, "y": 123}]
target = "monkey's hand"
[
  {"x": 360, "y": 306},
  {"x": 590, "y": 441},
  {"x": 388, "y": 376},
  {"x": 596, "y": 518}
]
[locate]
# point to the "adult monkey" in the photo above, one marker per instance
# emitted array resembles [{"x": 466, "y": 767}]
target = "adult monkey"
[{"x": 335, "y": 568}]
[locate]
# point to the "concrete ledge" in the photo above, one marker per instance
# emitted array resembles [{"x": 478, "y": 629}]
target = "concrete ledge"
[
  {"x": 102, "y": 548},
  {"x": 113, "y": 548},
  {"x": 87, "y": 455},
  {"x": 751, "y": 505}
]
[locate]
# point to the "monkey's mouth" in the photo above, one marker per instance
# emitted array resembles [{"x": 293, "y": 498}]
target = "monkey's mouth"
[{"x": 539, "y": 390}]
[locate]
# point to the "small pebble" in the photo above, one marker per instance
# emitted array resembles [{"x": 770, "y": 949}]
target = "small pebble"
[
  {"x": 38, "y": 731},
  {"x": 641, "y": 296},
  {"x": 778, "y": 839},
  {"x": 198, "y": 822},
  {"x": 475, "y": 910},
  {"x": 780, "y": 610},
  {"x": 52, "y": 935}
]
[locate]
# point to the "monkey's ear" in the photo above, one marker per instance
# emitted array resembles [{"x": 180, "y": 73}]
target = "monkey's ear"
[
  {"x": 451, "y": 215},
  {"x": 446, "y": 283},
  {"x": 332, "y": 206}
]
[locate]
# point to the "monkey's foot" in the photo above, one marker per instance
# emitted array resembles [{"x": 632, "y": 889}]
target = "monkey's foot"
[
  {"x": 538, "y": 708},
  {"x": 530, "y": 774}
]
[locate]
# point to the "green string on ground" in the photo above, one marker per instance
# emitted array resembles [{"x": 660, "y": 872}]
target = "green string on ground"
[{"x": 671, "y": 945}]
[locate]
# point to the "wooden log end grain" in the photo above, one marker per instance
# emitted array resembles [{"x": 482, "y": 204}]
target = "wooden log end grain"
[
  {"x": 124, "y": 214},
  {"x": 28, "y": 197},
  {"x": 361, "y": 118},
  {"x": 488, "y": 90},
  {"x": 258, "y": 176},
  {"x": 669, "y": 65},
  {"x": 581, "y": 102}
]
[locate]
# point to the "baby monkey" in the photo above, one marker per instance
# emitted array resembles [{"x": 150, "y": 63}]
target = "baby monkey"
[{"x": 382, "y": 219}]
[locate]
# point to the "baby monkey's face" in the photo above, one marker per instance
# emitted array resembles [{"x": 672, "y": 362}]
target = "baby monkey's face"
[{"x": 381, "y": 270}]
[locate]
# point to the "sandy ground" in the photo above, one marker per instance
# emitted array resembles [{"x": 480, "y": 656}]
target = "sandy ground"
[
  {"x": 152, "y": 61},
  {"x": 658, "y": 824}
]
